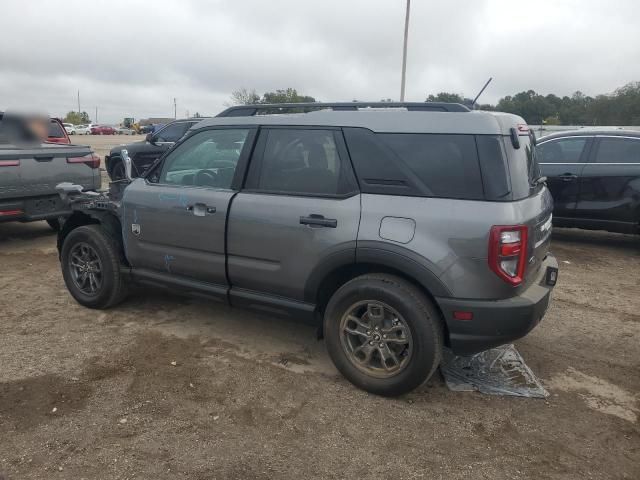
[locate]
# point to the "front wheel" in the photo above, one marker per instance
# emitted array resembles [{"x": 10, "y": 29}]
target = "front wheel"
[
  {"x": 383, "y": 334},
  {"x": 91, "y": 261}
]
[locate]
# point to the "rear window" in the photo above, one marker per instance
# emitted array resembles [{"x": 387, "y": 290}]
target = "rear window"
[
  {"x": 56, "y": 130},
  {"x": 618, "y": 150},
  {"x": 429, "y": 165}
]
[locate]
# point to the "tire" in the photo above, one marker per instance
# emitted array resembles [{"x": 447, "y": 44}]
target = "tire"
[
  {"x": 111, "y": 288},
  {"x": 54, "y": 223},
  {"x": 117, "y": 171},
  {"x": 413, "y": 327}
]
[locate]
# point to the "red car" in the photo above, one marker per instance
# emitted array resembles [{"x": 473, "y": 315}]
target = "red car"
[
  {"x": 103, "y": 130},
  {"x": 57, "y": 133}
]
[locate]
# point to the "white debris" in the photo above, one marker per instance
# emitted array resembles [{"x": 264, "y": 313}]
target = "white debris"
[
  {"x": 123, "y": 420},
  {"x": 174, "y": 363}
]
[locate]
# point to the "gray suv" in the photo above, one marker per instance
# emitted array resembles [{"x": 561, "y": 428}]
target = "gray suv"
[{"x": 402, "y": 229}]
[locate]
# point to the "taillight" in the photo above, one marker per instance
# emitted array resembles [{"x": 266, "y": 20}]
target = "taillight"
[
  {"x": 508, "y": 252},
  {"x": 92, "y": 160},
  {"x": 9, "y": 163}
]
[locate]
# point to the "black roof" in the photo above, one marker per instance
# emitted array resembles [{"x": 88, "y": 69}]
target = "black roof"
[{"x": 590, "y": 132}]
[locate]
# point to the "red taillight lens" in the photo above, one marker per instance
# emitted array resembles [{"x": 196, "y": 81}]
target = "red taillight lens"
[
  {"x": 508, "y": 252},
  {"x": 9, "y": 163},
  {"x": 92, "y": 160}
]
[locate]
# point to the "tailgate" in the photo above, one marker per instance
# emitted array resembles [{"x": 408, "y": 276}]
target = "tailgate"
[
  {"x": 537, "y": 215},
  {"x": 35, "y": 171}
]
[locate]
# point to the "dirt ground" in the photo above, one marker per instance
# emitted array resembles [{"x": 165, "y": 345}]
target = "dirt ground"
[
  {"x": 165, "y": 387},
  {"x": 103, "y": 143}
]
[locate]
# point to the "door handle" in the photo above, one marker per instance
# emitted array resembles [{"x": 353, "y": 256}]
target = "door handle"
[
  {"x": 568, "y": 177},
  {"x": 43, "y": 157},
  {"x": 314, "y": 220},
  {"x": 200, "y": 209}
]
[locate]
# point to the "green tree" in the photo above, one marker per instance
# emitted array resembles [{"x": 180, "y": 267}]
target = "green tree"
[
  {"x": 76, "y": 118},
  {"x": 446, "y": 97},
  {"x": 290, "y": 95}
]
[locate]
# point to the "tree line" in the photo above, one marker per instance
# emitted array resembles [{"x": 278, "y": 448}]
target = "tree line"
[{"x": 622, "y": 107}]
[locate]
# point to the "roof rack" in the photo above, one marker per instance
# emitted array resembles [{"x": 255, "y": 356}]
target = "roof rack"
[{"x": 275, "y": 108}]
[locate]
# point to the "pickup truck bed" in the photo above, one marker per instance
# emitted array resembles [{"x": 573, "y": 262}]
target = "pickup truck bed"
[{"x": 30, "y": 173}]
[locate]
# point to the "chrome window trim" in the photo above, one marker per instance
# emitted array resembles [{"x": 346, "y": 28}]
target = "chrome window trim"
[
  {"x": 618, "y": 136},
  {"x": 542, "y": 141}
]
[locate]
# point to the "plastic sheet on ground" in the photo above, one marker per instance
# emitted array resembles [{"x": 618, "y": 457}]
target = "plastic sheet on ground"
[{"x": 499, "y": 371}]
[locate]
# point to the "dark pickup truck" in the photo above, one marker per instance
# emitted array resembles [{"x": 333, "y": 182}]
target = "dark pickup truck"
[{"x": 29, "y": 174}]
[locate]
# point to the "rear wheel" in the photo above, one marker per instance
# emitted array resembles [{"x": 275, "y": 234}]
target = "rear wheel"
[
  {"x": 91, "y": 263},
  {"x": 383, "y": 334}
]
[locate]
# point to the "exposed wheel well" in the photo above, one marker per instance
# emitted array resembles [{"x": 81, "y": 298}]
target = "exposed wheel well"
[
  {"x": 109, "y": 222},
  {"x": 334, "y": 280},
  {"x": 113, "y": 160}
]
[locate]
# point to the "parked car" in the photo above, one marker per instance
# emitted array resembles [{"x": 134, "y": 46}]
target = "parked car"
[
  {"x": 69, "y": 128},
  {"x": 83, "y": 129},
  {"x": 30, "y": 170},
  {"x": 594, "y": 177},
  {"x": 403, "y": 231},
  {"x": 145, "y": 129},
  {"x": 102, "y": 130},
  {"x": 57, "y": 132},
  {"x": 144, "y": 153},
  {"x": 124, "y": 131}
]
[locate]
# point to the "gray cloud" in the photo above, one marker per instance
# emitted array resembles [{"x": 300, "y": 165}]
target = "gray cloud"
[{"x": 132, "y": 58}]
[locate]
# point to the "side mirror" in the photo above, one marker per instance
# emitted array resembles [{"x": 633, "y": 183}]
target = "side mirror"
[
  {"x": 149, "y": 138},
  {"x": 126, "y": 159}
]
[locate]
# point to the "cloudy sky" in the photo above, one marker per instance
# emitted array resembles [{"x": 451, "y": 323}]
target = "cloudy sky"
[{"x": 131, "y": 58}]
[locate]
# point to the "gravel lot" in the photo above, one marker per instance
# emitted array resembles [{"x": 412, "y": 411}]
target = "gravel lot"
[{"x": 169, "y": 387}]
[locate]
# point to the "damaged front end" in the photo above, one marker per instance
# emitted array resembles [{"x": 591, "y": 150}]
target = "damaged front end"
[{"x": 94, "y": 207}]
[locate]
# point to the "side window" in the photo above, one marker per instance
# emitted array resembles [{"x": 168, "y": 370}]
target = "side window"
[
  {"x": 172, "y": 132},
  {"x": 302, "y": 161},
  {"x": 618, "y": 150},
  {"x": 443, "y": 165},
  {"x": 207, "y": 159},
  {"x": 564, "y": 150}
]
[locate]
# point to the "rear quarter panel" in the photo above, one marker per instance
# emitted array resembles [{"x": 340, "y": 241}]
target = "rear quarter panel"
[{"x": 451, "y": 237}]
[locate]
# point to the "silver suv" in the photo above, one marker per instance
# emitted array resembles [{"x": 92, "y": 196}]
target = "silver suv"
[{"x": 402, "y": 229}]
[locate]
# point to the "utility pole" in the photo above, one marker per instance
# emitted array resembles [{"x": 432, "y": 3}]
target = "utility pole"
[
  {"x": 96, "y": 120},
  {"x": 404, "y": 51},
  {"x": 174, "y": 108},
  {"x": 78, "y": 101}
]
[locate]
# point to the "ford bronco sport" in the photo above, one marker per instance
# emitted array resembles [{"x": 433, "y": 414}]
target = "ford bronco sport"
[{"x": 403, "y": 229}]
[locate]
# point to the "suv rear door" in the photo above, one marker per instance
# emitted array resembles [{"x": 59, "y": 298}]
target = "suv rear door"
[
  {"x": 562, "y": 161},
  {"x": 175, "y": 218},
  {"x": 298, "y": 212},
  {"x": 610, "y": 184}
]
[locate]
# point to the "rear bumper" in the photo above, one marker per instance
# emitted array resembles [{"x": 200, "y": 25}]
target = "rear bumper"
[
  {"x": 32, "y": 209},
  {"x": 496, "y": 322}
]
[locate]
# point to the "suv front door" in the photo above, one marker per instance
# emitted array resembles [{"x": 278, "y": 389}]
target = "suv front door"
[
  {"x": 298, "y": 212},
  {"x": 175, "y": 219},
  {"x": 562, "y": 161}
]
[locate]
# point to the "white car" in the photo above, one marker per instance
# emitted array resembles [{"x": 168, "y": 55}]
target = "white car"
[
  {"x": 71, "y": 130},
  {"x": 83, "y": 129}
]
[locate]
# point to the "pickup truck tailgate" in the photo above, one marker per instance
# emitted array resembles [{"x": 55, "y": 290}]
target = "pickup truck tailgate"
[{"x": 33, "y": 171}]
